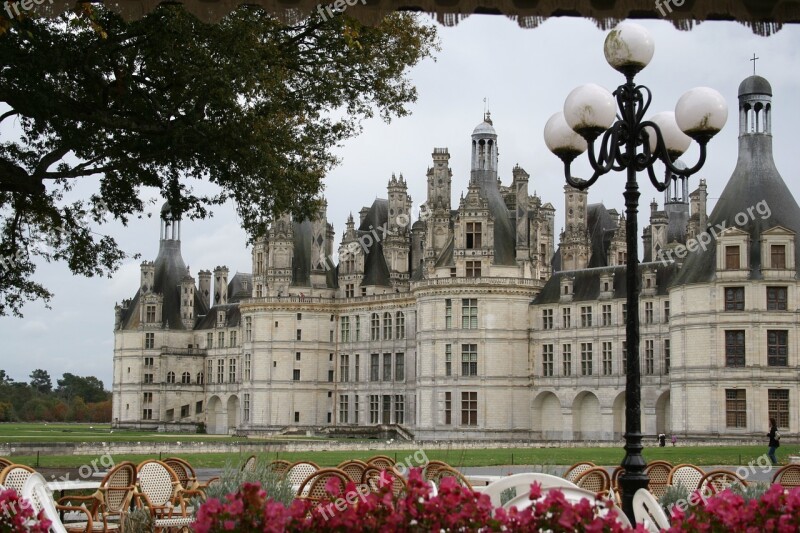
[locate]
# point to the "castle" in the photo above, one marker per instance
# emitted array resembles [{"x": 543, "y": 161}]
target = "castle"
[{"x": 474, "y": 322}]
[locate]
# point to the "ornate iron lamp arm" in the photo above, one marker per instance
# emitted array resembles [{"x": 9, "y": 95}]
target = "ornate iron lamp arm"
[{"x": 601, "y": 165}]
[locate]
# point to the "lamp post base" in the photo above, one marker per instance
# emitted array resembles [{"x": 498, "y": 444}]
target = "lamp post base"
[{"x": 634, "y": 477}]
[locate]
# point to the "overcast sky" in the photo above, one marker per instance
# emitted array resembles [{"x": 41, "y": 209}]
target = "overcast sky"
[{"x": 525, "y": 74}]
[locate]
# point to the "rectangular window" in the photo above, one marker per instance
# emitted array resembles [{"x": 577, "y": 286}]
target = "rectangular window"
[
  {"x": 345, "y": 329},
  {"x": 473, "y": 235},
  {"x": 387, "y": 367},
  {"x": 734, "y": 298},
  {"x": 149, "y": 341},
  {"x": 606, "y": 314},
  {"x": 667, "y": 356},
  {"x": 349, "y": 290},
  {"x": 607, "y": 355},
  {"x": 469, "y": 313},
  {"x": 344, "y": 409},
  {"x": 210, "y": 371},
  {"x": 221, "y": 371},
  {"x": 448, "y": 408},
  {"x": 297, "y": 416},
  {"x": 469, "y": 408},
  {"x": 448, "y": 314},
  {"x": 233, "y": 339},
  {"x": 624, "y": 312},
  {"x": 732, "y": 258},
  {"x": 648, "y": 312},
  {"x": 735, "y": 408},
  {"x": 734, "y": 348},
  {"x": 374, "y": 367},
  {"x": 259, "y": 290},
  {"x": 566, "y": 318},
  {"x": 147, "y": 414},
  {"x": 299, "y": 334},
  {"x": 209, "y": 341},
  {"x": 358, "y": 328},
  {"x": 547, "y": 360},
  {"x": 184, "y": 410},
  {"x": 247, "y": 367},
  {"x": 666, "y": 310},
  {"x": 777, "y": 347},
  {"x": 473, "y": 269},
  {"x": 399, "y": 367},
  {"x": 355, "y": 409},
  {"x": 375, "y": 327},
  {"x": 221, "y": 339},
  {"x": 148, "y": 362},
  {"x": 586, "y": 316},
  {"x": 374, "y": 409},
  {"x": 399, "y": 409},
  {"x": 357, "y": 368},
  {"x": 586, "y": 358},
  {"x": 246, "y": 407},
  {"x": 248, "y": 328},
  {"x": 649, "y": 357},
  {"x": 400, "y": 326},
  {"x": 330, "y": 376},
  {"x": 778, "y": 406},
  {"x": 148, "y": 397},
  {"x": 151, "y": 314},
  {"x": 296, "y": 374},
  {"x": 387, "y": 326},
  {"x": 344, "y": 368},
  {"x": 198, "y": 407},
  {"x": 299, "y": 316},
  {"x": 566, "y": 359},
  {"x": 776, "y": 298},
  {"x": 547, "y": 319},
  {"x": 777, "y": 256},
  {"x": 624, "y": 357},
  {"x": 469, "y": 359},
  {"x": 448, "y": 359}
]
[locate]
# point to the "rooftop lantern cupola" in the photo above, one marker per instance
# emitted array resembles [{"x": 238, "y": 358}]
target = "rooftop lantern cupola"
[
  {"x": 755, "y": 106},
  {"x": 170, "y": 224},
  {"x": 484, "y": 150}
]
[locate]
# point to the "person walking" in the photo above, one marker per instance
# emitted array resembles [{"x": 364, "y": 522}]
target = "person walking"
[
  {"x": 774, "y": 440},
  {"x": 674, "y": 439}
]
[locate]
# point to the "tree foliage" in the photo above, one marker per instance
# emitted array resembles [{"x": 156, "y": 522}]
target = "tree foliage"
[
  {"x": 40, "y": 380},
  {"x": 249, "y": 104},
  {"x": 77, "y": 399}
]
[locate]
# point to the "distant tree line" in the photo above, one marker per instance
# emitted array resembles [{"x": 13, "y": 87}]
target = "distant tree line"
[{"x": 75, "y": 399}]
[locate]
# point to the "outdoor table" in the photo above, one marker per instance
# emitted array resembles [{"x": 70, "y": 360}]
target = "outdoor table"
[{"x": 481, "y": 481}]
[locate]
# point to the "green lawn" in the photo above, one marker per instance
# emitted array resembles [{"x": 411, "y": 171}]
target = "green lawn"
[{"x": 699, "y": 455}]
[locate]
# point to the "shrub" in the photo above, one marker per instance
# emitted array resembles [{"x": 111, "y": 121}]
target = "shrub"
[{"x": 233, "y": 478}]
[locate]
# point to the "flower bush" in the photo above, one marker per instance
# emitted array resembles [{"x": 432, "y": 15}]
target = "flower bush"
[{"x": 16, "y": 515}]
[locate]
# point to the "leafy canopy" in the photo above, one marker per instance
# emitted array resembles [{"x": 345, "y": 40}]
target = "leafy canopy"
[{"x": 250, "y": 104}]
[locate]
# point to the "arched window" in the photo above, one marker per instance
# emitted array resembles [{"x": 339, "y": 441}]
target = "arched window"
[
  {"x": 200, "y": 378},
  {"x": 375, "y": 327},
  {"x": 387, "y": 326},
  {"x": 400, "y": 326},
  {"x": 170, "y": 377},
  {"x": 186, "y": 378}
]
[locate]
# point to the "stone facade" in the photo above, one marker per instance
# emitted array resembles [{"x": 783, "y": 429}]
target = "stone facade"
[{"x": 469, "y": 323}]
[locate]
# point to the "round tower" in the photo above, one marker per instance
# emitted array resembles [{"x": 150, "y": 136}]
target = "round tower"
[
  {"x": 484, "y": 150},
  {"x": 755, "y": 106}
]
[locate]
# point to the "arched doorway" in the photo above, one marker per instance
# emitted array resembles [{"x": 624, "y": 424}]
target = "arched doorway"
[
  {"x": 618, "y": 410},
  {"x": 548, "y": 417},
  {"x": 233, "y": 414},
  {"x": 586, "y": 421},
  {"x": 215, "y": 417},
  {"x": 663, "y": 414}
]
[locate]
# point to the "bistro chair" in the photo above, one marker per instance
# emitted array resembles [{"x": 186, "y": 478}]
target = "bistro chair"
[
  {"x": 719, "y": 480},
  {"x": 161, "y": 493},
  {"x": 354, "y": 469},
  {"x": 279, "y": 466},
  {"x": 35, "y": 491},
  {"x": 111, "y": 501},
  {"x": 595, "y": 479},
  {"x": 314, "y": 487},
  {"x": 787, "y": 476},
  {"x": 687, "y": 475},
  {"x": 298, "y": 473},
  {"x": 447, "y": 471},
  {"x": 658, "y": 472},
  {"x": 381, "y": 461},
  {"x": 375, "y": 479},
  {"x": 14, "y": 476},
  {"x": 249, "y": 464},
  {"x": 649, "y": 512}
]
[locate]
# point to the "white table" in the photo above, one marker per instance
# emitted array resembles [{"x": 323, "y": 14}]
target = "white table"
[
  {"x": 75, "y": 484},
  {"x": 481, "y": 481}
]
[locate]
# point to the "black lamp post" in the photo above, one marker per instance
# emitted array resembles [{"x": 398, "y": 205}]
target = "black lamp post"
[{"x": 632, "y": 144}]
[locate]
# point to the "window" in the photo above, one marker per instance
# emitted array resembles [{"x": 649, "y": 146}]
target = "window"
[
  {"x": 350, "y": 290},
  {"x": 448, "y": 314},
  {"x": 399, "y": 367},
  {"x": 606, "y": 355},
  {"x": 221, "y": 371},
  {"x": 147, "y": 414},
  {"x": 232, "y": 371},
  {"x": 247, "y": 367},
  {"x": 375, "y": 327},
  {"x": 374, "y": 367},
  {"x": 448, "y": 359},
  {"x": 624, "y": 312},
  {"x": 330, "y": 376},
  {"x": 299, "y": 334},
  {"x": 170, "y": 377},
  {"x": 400, "y": 326},
  {"x": 221, "y": 339},
  {"x": 357, "y": 368},
  {"x": 624, "y": 357},
  {"x": 734, "y": 298},
  {"x": 566, "y": 359},
  {"x": 296, "y": 374},
  {"x": 259, "y": 290},
  {"x": 666, "y": 311},
  {"x": 566, "y": 318},
  {"x": 149, "y": 341},
  {"x": 148, "y": 362},
  {"x": 358, "y": 328},
  {"x": 777, "y": 254},
  {"x": 547, "y": 360},
  {"x": 387, "y": 367},
  {"x": 606, "y": 314},
  {"x": 186, "y": 378},
  {"x": 735, "y": 408},
  {"x": 734, "y": 348},
  {"x": 297, "y": 416},
  {"x": 299, "y": 316},
  {"x": 344, "y": 409},
  {"x": 210, "y": 341},
  {"x": 198, "y": 407},
  {"x": 200, "y": 378},
  {"x": 732, "y": 258},
  {"x": 448, "y": 408},
  {"x": 776, "y": 298},
  {"x": 777, "y": 347},
  {"x": 586, "y": 316},
  {"x": 473, "y": 269},
  {"x": 473, "y": 235},
  {"x": 374, "y": 409},
  {"x": 666, "y": 356},
  {"x": 648, "y": 312},
  {"x": 547, "y": 319},
  {"x": 399, "y": 409},
  {"x": 210, "y": 371},
  {"x": 355, "y": 409},
  {"x": 233, "y": 339},
  {"x": 649, "y": 357},
  {"x": 246, "y": 407},
  {"x": 469, "y": 408},
  {"x": 469, "y": 313},
  {"x": 469, "y": 359},
  {"x": 148, "y": 397},
  {"x": 586, "y": 358},
  {"x": 248, "y": 328},
  {"x": 387, "y": 326},
  {"x": 778, "y": 406},
  {"x": 344, "y": 368},
  {"x": 453, "y": 272},
  {"x": 150, "y": 312}
]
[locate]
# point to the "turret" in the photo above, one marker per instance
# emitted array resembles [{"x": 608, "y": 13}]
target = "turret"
[
  {"x": 147, "y": 279},
  {"x": 205, "y": 287},
  {"x": 484, "y": 152},
  {"x": 520, "y": 185},
  {"x": 575, "y": 245},
  {"x": 221, "y": 285},
  {"x": 187, "y": 300}
]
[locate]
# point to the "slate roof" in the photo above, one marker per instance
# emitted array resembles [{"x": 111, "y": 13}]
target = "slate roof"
[
  {"x": 504, "y": 232},
  {"x": 376, "y": 271},
  {"x": 601, "y": 230}
]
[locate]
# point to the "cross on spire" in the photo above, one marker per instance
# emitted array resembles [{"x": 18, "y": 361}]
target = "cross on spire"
[{"x": 754, "y": 63}]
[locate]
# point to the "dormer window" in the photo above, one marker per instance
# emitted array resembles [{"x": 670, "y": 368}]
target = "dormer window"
[
  {"x": 777, "y": 252},
  {"x": 473, "y": 235},
  {"x": 778, "y": 256},
  {"x": 732, "y": 258}
]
